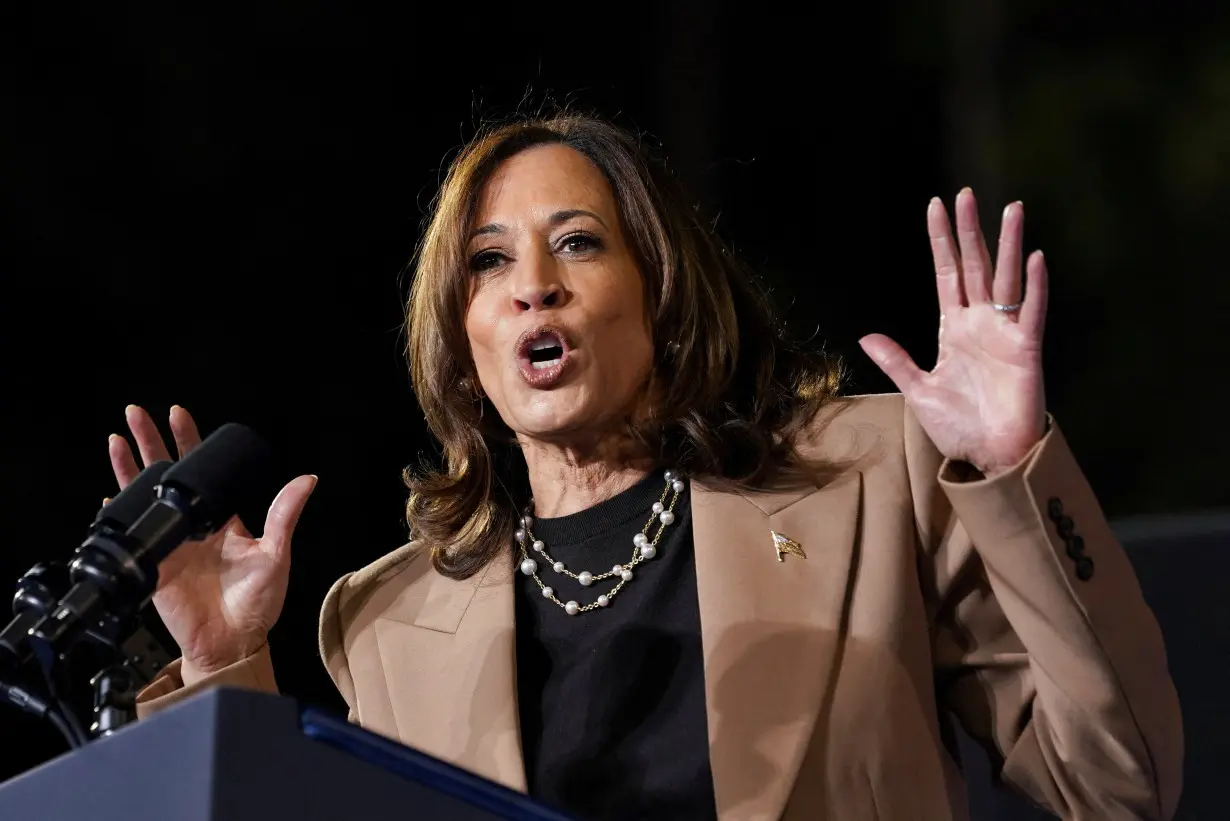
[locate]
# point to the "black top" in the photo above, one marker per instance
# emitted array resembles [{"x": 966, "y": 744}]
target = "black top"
[{"x": 612, "y": 700}]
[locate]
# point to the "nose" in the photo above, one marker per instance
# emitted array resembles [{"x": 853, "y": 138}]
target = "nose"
[{"x": 536, "y": 285}]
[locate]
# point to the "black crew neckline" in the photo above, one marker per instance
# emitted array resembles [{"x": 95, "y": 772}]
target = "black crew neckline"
[{"x": 632, "y": 504}]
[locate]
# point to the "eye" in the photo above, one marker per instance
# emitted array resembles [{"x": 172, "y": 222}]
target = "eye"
[
  {"x": 580, "y": 243},
  {"x": 485, "y": 260}
]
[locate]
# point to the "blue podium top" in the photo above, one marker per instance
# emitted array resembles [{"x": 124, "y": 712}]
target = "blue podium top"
[
  {"x": 423, "y": 769},
  {"x": 245, "y": 756}
]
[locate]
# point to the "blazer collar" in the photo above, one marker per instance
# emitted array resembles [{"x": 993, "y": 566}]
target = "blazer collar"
[{"x": 772, "y": 633}]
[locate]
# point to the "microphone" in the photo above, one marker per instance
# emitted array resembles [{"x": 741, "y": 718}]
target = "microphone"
[
  {"x": 115, "y": 574},
  {"x": 122, "y": 512},
  {"x": 41, "y": 587}
]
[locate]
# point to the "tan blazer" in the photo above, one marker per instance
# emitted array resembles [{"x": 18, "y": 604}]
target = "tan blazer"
[{"x": 825, "y": 677}]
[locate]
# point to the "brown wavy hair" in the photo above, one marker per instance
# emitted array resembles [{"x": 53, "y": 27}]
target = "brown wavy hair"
[{"x": 730, "y": 400}]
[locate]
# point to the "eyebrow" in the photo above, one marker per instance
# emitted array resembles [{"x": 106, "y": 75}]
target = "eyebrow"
[{"x": 558, "y": 218}]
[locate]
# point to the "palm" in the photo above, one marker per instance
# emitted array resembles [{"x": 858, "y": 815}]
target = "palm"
[
  {"x": 983, "y": 402},
  {"x": 218, "y": 597}
]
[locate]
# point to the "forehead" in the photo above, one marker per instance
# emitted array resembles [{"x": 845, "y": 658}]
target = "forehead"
[{"x": 544, "y": 179}]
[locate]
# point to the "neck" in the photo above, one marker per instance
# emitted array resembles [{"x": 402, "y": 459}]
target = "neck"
[{"x": 570, "y": 478}]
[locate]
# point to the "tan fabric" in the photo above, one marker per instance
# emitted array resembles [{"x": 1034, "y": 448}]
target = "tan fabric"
[
  {"x": 825, "y": 676},
  {"x": 253, "y": 673}
]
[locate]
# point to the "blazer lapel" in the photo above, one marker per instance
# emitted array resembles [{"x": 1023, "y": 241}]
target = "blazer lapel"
[
  {"x": 449, "y": 660},
  {"x": 771, "y": 631}
]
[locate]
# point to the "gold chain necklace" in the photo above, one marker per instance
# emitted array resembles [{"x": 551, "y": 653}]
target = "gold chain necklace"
[{"x": 643, "y": 549}]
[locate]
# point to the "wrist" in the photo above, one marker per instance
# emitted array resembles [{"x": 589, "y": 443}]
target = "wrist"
[
  {"x": 993, "y": 470},
  {"x": 190, "y": 673},
  {"x": 194, "y": 671}
]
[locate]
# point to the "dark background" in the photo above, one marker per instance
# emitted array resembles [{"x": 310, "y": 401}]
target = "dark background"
[{"x": 216, "y": 209}]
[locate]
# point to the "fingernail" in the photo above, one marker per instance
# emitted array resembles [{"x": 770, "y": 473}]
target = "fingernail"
[
  {"x": 106, "y": 501},
  {"x": 175, "y": 408}
]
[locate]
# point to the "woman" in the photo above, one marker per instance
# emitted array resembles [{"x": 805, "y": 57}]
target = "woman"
[{"x": 666, "y": 572}]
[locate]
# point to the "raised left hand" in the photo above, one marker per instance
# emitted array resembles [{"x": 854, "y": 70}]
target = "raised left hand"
[{"x": 983, "y": 402}]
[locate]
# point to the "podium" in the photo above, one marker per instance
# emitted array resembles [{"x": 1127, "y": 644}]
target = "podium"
[{"x": 244, "y": 756}]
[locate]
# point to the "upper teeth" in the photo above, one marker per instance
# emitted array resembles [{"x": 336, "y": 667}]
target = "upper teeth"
[{"x": 544, "y": 342}]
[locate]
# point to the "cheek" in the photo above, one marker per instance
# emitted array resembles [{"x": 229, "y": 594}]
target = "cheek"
[
  {"x": 631, "y": 338},
  {"x": 480, "y": 331}
]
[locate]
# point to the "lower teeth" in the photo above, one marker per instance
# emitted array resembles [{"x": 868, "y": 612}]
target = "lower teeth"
[{"x": 538, "y": 366}]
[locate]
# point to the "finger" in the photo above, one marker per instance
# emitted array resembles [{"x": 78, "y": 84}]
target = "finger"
[
  {"x": 944, "y": 253},
  {"x": 975, "y": 260},
  {"x": 1006, "y": 287},
  {"x": 894, "y": 361},
  {"x": 1033, "y": 313},
  {"x": 149, "y": 440},
  {"x": 284, "y": 515},
  {"x": 184, "y": 431},
  {"x": 123, "y": 465}
]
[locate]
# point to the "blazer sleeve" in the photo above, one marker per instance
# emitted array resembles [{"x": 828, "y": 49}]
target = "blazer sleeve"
[
  {"x": 253, "y": 673},
  {"x": 331, "y": 639},
  {"x": 1045, "y": 650}
]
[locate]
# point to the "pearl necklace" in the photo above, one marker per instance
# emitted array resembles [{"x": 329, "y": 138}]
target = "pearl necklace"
[{"x": 643, "y": 549}]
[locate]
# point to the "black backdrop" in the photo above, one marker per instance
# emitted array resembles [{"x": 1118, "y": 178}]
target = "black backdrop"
[{"x": 215, "y": 209}]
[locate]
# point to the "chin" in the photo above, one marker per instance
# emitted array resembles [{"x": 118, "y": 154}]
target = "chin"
[
  {"x": 549, "y": 426},
  {"x": 554, "y": 414}
]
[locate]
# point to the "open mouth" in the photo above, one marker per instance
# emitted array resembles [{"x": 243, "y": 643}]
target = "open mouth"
[
  {"x": 543, "y": 355},
  {"x": 545, "y": 352}
]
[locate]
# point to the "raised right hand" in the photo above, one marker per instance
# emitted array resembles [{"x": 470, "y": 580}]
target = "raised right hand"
[{"x": 218, "y": 597}]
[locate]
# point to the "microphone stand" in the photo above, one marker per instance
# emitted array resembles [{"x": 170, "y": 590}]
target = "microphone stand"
[
  {"x": 139, "y": 658},
  {"x": 37, "y": 592},
  {"x": 134, "y": 656}
]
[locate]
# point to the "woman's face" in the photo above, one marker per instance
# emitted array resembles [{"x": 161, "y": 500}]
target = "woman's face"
[{"x": 557, "y": 321}]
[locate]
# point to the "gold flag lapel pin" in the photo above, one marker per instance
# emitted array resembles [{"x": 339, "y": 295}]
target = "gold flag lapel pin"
[{"x": 785, "y": 544}]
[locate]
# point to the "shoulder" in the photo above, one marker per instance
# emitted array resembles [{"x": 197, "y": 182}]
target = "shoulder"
[
  {"x": 859, "y": 428},
  {"x": 881, "y": 410},
  {"x": 359, "y": 598},
  {"x": 404, "y": 568},
  {"x": 877, "y": 436},
  {"x": 867, "y": 425}
]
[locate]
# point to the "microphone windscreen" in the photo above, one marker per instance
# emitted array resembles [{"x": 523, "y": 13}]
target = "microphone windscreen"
[
  {"x": 128, "y": 505},
  {"x": 230, "y": 471}
]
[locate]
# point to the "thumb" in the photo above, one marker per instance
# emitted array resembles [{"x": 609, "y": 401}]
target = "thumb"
[
  {"x": 284, "y": 515},
  {"x": 893, "y": 360}
]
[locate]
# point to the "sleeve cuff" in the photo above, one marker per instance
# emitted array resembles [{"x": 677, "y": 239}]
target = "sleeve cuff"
[
  {"x": 253, "y": 673},
  {"x": 1042, "y": 500}
]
